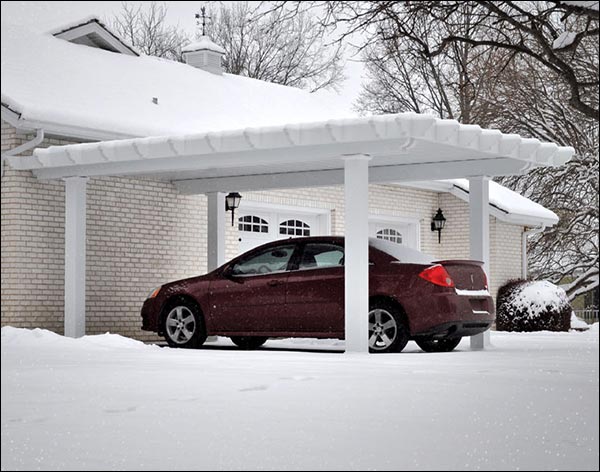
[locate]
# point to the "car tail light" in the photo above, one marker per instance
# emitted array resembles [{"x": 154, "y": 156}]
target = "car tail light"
[
  {"x": 485, "y": 280},
  {"x": 437, "y": 275}
]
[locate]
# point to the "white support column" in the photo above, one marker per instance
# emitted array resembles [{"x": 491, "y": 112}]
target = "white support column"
[
  {"x": 356, "y": 270},
  {"x": 75, "y": 240},
  {"x": 479, "y": 224},
  {"x": 216, "y": 230}
]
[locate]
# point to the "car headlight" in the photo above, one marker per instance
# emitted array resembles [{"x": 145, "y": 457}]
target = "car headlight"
[{"x": 154, "y": 292}]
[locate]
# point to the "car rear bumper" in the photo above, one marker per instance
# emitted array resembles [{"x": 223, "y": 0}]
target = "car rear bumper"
[
  {"x": 450, "y": 314},
  {"x": 454, "y": 329}
]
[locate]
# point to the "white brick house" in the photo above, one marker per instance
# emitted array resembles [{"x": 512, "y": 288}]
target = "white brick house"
[{"x": 83, "y": 84}]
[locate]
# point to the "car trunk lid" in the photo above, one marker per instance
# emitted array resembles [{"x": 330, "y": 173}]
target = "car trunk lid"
[{"x": 467, "y": 275}]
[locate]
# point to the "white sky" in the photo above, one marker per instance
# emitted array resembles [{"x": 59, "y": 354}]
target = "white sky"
[{"x": 45, "y": 16}]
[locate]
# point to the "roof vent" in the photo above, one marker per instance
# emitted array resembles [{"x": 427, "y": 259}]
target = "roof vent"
[{"x": 204, "y": 54}]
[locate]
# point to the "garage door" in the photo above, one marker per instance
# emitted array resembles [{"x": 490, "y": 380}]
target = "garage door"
[
  {"x": 259, "y": 225},
  {"x": 395, "y": 231}
]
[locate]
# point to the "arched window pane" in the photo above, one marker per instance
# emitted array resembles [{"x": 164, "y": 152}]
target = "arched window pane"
[{"x": 294, "y": 228}]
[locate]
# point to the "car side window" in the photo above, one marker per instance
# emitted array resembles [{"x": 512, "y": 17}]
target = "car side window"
[
  {"x": 321, "y": 255},
  {"x": 274, "y": 259}
]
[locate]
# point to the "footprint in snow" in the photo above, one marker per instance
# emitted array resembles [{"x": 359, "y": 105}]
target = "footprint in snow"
[
  {"x": 298, "y": 378},
  {"x": 120, "y": 410},
  {"x": 254, "y": 389}
]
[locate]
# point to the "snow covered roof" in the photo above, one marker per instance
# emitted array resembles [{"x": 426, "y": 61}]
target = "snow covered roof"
[
  {"x": 505, "y": 204},
  {"x": 55, "y": 84},
  {"x": 203, "y": 43}
]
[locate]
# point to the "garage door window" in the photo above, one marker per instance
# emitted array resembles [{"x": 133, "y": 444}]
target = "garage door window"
[
  {"x": 294, "y": 228},
  {"x": 253, "y": 224},
  {"x": 390, "y": 234}
]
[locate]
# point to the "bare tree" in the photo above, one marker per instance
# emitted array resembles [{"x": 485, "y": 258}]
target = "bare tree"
[
  {"x": 289, "y": 51},
  {"x": 144, "y": 27},
  {"x": 548, "y": 33},
  {"x": 532, "y": 105},
  {"x": 453, "y": 84}
]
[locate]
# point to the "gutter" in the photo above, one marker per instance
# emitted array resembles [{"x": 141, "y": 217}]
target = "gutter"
[
  {"x": 36, "y": 141},
  {"x": 524, "y": 237}
]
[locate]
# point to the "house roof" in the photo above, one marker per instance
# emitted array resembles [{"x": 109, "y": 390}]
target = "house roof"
[
  {"x": 105, "y": 94},
  {"x": 505, "y": 204},
  {"x": 52, "y": 82}
]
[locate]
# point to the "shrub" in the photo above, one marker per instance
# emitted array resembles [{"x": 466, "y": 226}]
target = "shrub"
[{"x": 523, "y": 305}]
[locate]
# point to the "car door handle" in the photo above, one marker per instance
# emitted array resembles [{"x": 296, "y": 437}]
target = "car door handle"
[{"x": 274, "y": 283}]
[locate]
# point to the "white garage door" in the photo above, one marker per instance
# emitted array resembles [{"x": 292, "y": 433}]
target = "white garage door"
[
  {"x": 396, "y": 231},
  {"x": 260, "y": 223}
]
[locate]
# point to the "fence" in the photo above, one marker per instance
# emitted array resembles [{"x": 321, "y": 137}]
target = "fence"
[{"x": 589, "y": 315}]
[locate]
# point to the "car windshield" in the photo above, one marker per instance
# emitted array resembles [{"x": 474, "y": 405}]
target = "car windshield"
[{"x": 401, "y": 253}]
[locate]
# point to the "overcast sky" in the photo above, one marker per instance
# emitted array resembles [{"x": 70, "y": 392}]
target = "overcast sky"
[{"x": 44, "y": 16}]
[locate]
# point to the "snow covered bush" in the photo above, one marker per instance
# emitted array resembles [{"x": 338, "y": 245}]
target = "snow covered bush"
[{"x": 524, "y": 305}]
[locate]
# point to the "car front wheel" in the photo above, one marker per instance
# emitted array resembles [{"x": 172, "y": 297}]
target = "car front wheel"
[
  {"x": 387, "y": 331},
  {"x": 183, "y": 326},
  {"x": 438, "y": 345}
]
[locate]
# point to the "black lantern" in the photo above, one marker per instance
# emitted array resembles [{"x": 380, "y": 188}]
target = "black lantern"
[
  {"x": 232, "y": 201},
  {"x": 438, "y": 224}
]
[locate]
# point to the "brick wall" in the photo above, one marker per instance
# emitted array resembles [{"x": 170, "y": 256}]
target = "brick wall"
[
  {"x": 505, "y": 241},
  {"x": 141, "y": 233}
]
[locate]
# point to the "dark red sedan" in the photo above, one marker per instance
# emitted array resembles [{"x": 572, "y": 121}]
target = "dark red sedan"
[{"x": 295, "y": 288}]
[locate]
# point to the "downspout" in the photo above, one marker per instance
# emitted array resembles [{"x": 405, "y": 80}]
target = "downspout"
[
  {"x": 39, "y": 137},
  {"x": 524, "y": 237}
]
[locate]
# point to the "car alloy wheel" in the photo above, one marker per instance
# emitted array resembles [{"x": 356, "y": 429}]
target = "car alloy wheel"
[
  {"x": 383, "y": 329},
  {"x": 180, "y": 325}
]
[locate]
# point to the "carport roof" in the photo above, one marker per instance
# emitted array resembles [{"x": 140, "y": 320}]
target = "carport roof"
[{"x": 403, "y": 147}]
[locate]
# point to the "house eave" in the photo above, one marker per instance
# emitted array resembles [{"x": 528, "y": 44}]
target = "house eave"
[
  {"x": 94, "y": 25},
  {"x": 505, "y": 216},
  {"x": 15, "y": 119}
]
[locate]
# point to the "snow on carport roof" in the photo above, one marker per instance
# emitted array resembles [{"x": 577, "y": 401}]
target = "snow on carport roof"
[
  {"x": 48, "y": 80},
  {"x": 404, "y": 146}
]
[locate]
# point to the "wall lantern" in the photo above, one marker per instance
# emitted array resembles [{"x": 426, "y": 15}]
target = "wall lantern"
[
  {"x": 232, "y": 201},
  {"x": 438, "y": 224}
]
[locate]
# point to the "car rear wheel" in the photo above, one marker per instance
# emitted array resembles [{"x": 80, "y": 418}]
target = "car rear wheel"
[
  {"x": 248, "y": 342},
  {"x": 183, "y": 326},
  {"x": 387, "y": 330},
  {"x": 438, "y": 345}
]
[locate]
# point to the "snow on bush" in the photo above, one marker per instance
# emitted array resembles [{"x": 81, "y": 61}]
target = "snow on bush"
[{"x": 532, "y": 306}]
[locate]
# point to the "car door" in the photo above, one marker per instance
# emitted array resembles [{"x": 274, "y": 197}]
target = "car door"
[
  {"x": 250, "y": 297},
  {"x": 315, "y": 290}
]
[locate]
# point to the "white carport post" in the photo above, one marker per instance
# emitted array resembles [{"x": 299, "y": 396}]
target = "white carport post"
[
  {"x": 75, "y": 240},
  {"x": 356, "y": 265},
  {"x": 216, "y": 230},
  {"x": 479, "y": 224}
]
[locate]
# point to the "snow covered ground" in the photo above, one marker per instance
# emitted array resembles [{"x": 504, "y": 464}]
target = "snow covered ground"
[{"x": 107, "y": 402}]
